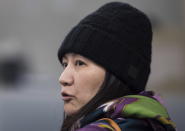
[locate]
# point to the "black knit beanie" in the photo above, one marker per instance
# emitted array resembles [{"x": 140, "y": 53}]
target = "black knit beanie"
[{"x": 118, "y": 37}]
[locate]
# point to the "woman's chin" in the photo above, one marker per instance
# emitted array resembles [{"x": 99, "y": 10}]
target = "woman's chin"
[{"x": 70, "y": 111}]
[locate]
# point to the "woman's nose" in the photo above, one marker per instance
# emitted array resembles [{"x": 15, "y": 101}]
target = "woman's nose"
[{"x": 66, "y": 77}]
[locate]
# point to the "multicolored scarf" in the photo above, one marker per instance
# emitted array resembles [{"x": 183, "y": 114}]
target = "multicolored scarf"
[{"x": 143, "y": 106}]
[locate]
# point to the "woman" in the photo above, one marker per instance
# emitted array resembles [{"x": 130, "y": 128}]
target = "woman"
[{"x": 106, "y": 60}]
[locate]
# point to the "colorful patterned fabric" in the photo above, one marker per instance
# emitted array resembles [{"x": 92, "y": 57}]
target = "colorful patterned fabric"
[{"x": 129, "y": 113}]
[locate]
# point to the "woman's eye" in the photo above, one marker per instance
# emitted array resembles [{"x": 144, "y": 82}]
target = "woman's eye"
[
  {"x": 79, "y": 63},
  {"x": 64, "y": 64}
]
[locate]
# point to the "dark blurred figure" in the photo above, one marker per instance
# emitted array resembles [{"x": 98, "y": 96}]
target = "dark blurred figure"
[{"x": 12, "y": 70}]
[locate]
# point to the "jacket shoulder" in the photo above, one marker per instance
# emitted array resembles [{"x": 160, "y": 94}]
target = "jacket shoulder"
[
  {"x": 118, "y": 125},
  {"x": 132, "y": 124}
]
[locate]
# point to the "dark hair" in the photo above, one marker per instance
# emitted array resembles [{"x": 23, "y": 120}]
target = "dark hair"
[{"x": 111, "y": 88}]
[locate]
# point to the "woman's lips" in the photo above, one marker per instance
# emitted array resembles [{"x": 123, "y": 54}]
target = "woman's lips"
[{"x": 66, "y": 96}]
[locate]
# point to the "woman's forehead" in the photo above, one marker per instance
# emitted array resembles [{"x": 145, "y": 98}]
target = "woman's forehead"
[
  {"x": 73, "y": 55},
  {"x": 68, "y": 55}
]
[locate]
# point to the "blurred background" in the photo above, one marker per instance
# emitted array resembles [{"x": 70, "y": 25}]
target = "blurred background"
[{"x": 31, "y": 32}]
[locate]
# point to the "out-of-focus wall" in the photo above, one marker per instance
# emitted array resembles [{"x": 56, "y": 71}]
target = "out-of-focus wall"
[{"x": 30, "y": 34}]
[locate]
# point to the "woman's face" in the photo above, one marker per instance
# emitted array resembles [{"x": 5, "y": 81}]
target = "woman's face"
[{"x": 80, "y": 80}]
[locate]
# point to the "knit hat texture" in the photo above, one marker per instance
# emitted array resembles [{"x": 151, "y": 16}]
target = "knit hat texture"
[{"x": 118, "y": 37}]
